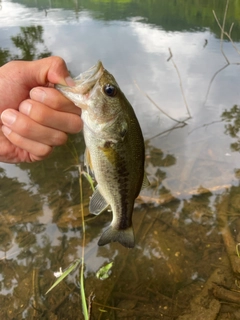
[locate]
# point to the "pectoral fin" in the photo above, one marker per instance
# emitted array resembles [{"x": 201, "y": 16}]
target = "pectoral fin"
[
  {"x": 97, "y": 203},
  {"x": 87, "y": 160}
]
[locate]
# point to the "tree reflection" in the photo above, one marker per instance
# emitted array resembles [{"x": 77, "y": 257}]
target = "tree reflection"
[
  {"x": 232, "y": 118},
  {"x": 5, "y": 56},
  {"x": 29, "y": 42}
]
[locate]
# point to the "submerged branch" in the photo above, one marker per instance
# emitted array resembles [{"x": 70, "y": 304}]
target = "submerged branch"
[
  {"x": 211, "y": 81},
  {"x": 180, "y": 80},
  {"x": 176, "y": 126},
  {"x": 223, "y": 32},
  {"x": 154, "y": 103},
  {"x": 222, "y": 29},
  {"x": 182, "y": 91},
  {"x": 223, "y": 225},
  {"x": 228, "y": 35}
]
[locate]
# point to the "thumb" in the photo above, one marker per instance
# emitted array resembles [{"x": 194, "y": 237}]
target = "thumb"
[
  {"x": 52, "y": 69},
  {"x": 17, "y": 78}
]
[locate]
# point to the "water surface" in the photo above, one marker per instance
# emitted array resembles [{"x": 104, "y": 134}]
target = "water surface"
[{"x": 193, "y": 166}]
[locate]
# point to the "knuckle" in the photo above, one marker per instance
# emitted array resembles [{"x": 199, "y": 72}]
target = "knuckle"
[
  {"x": 59, "y": 138},
  {"x": 25, "y": 128},
  {"x": 41, "y": 153},
  {"x": 58, "y": 63},
  {"x": 17, "y": 140},
  {"x": 76, "y": 125},
  {"x": 39, "y": 116}
]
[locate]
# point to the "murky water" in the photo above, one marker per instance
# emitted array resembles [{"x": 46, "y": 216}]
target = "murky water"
[{"x": 187, "y": 223}]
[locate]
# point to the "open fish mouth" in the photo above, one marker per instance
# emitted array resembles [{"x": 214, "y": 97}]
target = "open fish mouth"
[
  {"x": 83, "y": 84},
  {"x": 90, "y": 77},
  {"x": 85, "y": 81}
]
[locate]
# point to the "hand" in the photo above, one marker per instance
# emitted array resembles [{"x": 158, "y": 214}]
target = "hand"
[{"x": 34, "y": 117}]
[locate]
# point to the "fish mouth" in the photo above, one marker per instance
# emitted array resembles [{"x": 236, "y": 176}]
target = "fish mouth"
[
  {"x": 83, "y": 83},
  {"x": 88, "y": 78}
]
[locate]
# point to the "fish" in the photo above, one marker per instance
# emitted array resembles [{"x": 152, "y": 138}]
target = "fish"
[{"x": 115, "y": 151}]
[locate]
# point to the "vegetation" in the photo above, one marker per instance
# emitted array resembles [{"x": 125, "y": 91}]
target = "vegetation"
[{"x": 169, "y": 15}]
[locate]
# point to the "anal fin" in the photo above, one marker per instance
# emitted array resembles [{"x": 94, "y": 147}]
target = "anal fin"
[
  {"x": 97, "y": 203},
  {"x": 145, "y": 183}
]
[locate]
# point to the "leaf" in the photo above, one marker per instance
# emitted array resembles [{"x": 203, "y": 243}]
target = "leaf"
[
  {"x": 89, "y": 179},
  {"x": 104, "y": 272},
  {"x": 65, "y": 273}
]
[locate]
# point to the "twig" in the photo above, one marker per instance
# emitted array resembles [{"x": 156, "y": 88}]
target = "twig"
[
  {"x": 222, "y": 28},
  {"x": 228, "y": 35},
  {"x": 211, "y": 81},
  {"x": 180, "y": 80},
  {"x": 205, "y": 125},
  {"x": 90, "y": 301},
  {"x": 224, "y": 294},
  {"x": 176, "y": 126},
  {"x": 228, "y": 240},
  {"x": 170, "y": 57},
  {"x": 223, "y": 32},
  {"x": 154, "y": 103}
]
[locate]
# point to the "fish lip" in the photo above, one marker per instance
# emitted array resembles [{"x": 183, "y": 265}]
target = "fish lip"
[
  {"x": 85, "y": 81},
  {"x": 90, "y": 74}
]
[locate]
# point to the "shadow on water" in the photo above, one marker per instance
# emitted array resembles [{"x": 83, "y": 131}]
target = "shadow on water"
[{"x": 185, "y": 264}]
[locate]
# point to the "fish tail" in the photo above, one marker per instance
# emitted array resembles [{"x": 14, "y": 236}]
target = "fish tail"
[{"x": 125, "y": 237}]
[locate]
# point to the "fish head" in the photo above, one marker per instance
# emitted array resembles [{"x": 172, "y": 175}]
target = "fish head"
[{"x": 95, "y": 91}]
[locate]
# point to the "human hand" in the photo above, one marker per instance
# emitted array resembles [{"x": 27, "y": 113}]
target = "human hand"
[{"x": 34, "y": 117}]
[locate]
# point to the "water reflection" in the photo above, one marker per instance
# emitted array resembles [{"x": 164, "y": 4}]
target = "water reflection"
[
  {"x": 28, "y": 42},
  {"x": 185, "y": 222},
  {"x": 232, "y": 118},
  {"x": 169, "y": 15}
]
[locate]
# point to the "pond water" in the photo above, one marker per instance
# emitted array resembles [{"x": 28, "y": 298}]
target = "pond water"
[{"x": 167, "y": 58}]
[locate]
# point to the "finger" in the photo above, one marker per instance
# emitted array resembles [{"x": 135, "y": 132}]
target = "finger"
[
  {"x": 51, "y": 69},
  {"x": 54, "y": 99},
  {"x": 21, "y": 76},
  {"x": 40, "y": 72},
  {"x": 37, "y": 151},
  {"x": 28, "y": 128},
  {"x": 48, "y": 117}
]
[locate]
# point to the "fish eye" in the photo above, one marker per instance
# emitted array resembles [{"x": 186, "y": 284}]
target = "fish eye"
[{"x": 110, "y": 90}]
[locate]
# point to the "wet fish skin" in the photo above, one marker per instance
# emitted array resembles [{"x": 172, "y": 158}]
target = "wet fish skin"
[{"x": 115, "y": 149}]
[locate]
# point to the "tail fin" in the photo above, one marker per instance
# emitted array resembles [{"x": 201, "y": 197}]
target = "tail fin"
[{"x": 125, "y": 237}]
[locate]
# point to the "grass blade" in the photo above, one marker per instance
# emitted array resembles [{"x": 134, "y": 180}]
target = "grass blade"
[{"x": 65, "y": 274}]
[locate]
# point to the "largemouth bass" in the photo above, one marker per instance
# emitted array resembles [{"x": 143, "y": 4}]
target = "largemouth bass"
[{"x": 114, "y": 149}]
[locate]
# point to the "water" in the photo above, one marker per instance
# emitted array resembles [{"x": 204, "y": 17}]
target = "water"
[{"x": 193, "y": 168}]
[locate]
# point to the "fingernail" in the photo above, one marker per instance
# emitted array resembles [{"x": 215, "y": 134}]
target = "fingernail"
[
  {"x": 70, "y": 82},
  {"x": 8, "y": 117},
  {"x": 37, "y": 94},
  {"x": 25, "y": 107},
  {"x": 6, "y": 130}
]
